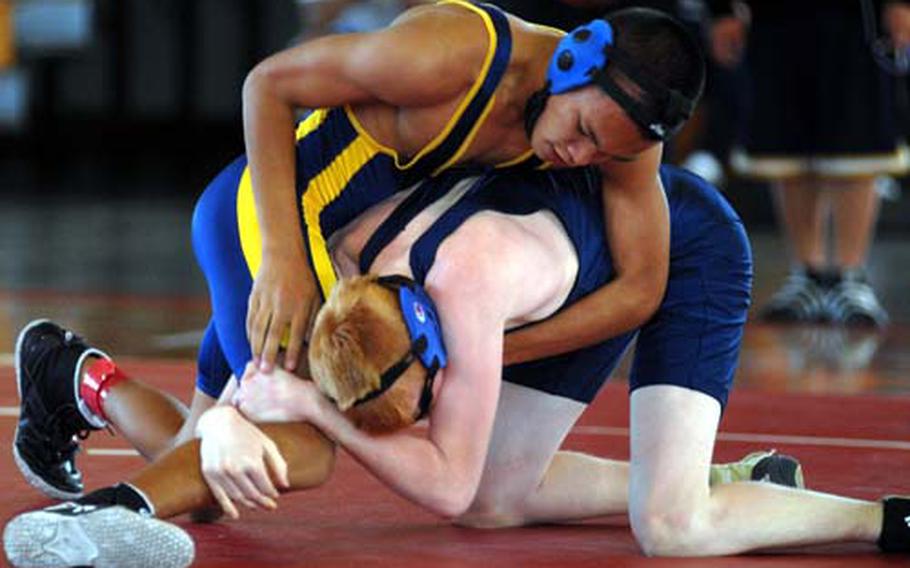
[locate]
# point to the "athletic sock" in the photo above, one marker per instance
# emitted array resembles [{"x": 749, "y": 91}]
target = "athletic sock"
[
  {"x": 122, "y": 494},
  {"x": 895, "y": 535},
  {"x": 91, "y": 415}
]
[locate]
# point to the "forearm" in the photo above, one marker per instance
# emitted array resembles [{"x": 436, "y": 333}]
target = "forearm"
[
  {"x": 412, "y": 466},
  {"x": 612, "y": 310},
  {"x": 268, "y": 123}
]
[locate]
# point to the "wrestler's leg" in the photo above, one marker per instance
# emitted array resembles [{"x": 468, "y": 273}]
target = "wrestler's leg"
[
  {"x": 518, "y": 458},
  {"x": 112, "y": 526},
  {"x": 674, "y": 512},
  {"x": 526, "y": 480},
  {"x": 309, "y": 456},
  {"x": 151, "y": 420}
]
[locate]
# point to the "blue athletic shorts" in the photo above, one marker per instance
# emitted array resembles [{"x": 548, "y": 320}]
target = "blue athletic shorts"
[{"x": 225, "y": 348}]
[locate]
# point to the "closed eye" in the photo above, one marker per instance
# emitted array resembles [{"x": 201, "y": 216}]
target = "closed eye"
[{"x": 588, "y": 134}]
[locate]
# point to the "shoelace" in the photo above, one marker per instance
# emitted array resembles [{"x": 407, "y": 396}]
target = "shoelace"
[{"x": 59, "y": 433}]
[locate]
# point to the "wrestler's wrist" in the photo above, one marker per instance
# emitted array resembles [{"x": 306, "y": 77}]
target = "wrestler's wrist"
[
  {"x": 283, "y": 249},
  {"x": 316, "y": 411},
  {"x": 215, "y": 418}
]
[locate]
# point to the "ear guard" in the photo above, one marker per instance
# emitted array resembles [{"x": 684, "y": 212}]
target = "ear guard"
[
  {"x": 587, "y": 56},
  {"x": 422, "y": 321}
]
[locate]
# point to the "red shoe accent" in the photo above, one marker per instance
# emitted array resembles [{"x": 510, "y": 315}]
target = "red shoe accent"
[{"x": 97, "y": 380}]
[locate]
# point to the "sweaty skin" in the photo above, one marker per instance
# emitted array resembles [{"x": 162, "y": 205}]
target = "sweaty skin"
[{"x": 403, "y": 84}]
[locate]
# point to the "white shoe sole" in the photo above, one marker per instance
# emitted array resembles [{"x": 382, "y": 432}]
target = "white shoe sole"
[{"x": 112, "y": 537}]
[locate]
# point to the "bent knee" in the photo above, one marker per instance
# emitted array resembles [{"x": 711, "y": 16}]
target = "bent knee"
[
  {"x": 672, "y": 532},
  {"x": 489, "y": 514}
]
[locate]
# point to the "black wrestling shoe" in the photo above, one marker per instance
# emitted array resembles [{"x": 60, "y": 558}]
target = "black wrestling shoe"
[
  {"x": 103, "y": 536},
  {"x": 895, "y": 534},
  {"x": 50, "y": 422},
  {"x": 768, "y": 466},
  {"x": 801, "y": 299},
  {"x": 853, "y": 302}
]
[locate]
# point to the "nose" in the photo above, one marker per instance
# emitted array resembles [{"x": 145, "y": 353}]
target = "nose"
[{"x": 580, "y": 152}]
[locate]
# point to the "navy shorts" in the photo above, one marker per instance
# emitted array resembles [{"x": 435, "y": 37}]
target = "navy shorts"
[{"x": 693, "y": 339}]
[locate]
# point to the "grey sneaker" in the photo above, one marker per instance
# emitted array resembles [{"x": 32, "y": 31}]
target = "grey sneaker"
[
  {"x": 761, "y": 466},
  {"x": 853, "y": 302},
  {"x": 74, "y": 534},
  {"x": 801, "y": 299}
]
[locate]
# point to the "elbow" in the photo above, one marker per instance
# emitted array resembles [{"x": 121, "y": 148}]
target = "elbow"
[
  {"x": 254, "y": 83},
  {"x": 452, "y": 502},
  {"x": 649, "y": 296},
  {"x": 262, "y": 80},
  {"x": 648, "y": 306}
]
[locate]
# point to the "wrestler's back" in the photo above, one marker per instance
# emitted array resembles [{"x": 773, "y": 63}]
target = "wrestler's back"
[
  {"x": 456, "y": 56},
  {"x": 534, "y": 244}
]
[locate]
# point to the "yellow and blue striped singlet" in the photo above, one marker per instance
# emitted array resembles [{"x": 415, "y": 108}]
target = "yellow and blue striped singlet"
[{"x": 342, "y": 170}]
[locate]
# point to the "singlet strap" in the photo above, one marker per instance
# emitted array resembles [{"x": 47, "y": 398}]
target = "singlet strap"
[
  {"x": 471, "y": 113},
  {"x": 422, "y": 197},
  {"x": 423, "y": 251}
]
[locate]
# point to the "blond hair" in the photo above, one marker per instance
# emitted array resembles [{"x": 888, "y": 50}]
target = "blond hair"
[{"x": 360, "y": 333}]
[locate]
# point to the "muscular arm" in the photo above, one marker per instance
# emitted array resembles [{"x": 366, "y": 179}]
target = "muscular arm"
[
  {"x": 638, "y": 230},
  {"x": 441, "y": 470},
  {"x": 377, "y": 67}
]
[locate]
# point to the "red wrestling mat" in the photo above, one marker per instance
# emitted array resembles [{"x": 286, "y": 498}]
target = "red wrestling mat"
[{"x": 853, "y": 445}]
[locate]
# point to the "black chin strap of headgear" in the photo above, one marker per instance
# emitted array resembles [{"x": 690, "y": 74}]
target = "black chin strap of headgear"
[{"x": 393, "y": 373}]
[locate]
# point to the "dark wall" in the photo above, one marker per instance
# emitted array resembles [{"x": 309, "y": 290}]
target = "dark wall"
[{"x": 156, "y": 92}]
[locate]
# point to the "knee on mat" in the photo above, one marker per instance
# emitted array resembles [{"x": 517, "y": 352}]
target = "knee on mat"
[
  {"x": 490, "y": 513},
  {"x": 665, "y": 532}
]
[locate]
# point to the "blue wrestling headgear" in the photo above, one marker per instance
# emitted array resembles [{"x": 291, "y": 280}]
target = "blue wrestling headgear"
[
  {"x": 422, "y": 321},
  {"x": 588, "y": 56}
]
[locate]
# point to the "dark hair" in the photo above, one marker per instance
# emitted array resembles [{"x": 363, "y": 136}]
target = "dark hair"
[{"x": 663, "y": 47}]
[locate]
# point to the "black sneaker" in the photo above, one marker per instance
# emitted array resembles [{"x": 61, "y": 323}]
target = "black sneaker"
[
  {"x": 801, "y": 299},
  {"x": 50, "y": 421},
  {"x": 853, "y": 302},
  {"x": 104, "y": 536}
]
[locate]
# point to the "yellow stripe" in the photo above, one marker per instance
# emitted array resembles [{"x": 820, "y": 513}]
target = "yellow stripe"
[
  {"x": 311, "y": 123},
  {"x": 322, "y": 190},
  {"x": 248, "y": 225},
  {"x": 469, "y": 138},
  {"x": 368, "y": 138},
  {"x": 247, "y": 222},
  {"x": 517, "y": 160},
  {"x": 250, "y": 237},
  {"x": 488, "y": 60}
]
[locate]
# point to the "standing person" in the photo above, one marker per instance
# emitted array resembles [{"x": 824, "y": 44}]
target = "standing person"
[
  {"x": 447, "y": 85},
  {"x": 822, "y": 128}
]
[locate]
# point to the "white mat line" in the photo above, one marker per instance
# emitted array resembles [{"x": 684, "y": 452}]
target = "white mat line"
[
  {"x": 749, "y": 437},
  {"x": 117, "y": 452},
  {"x": 766, "y": 438}
]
